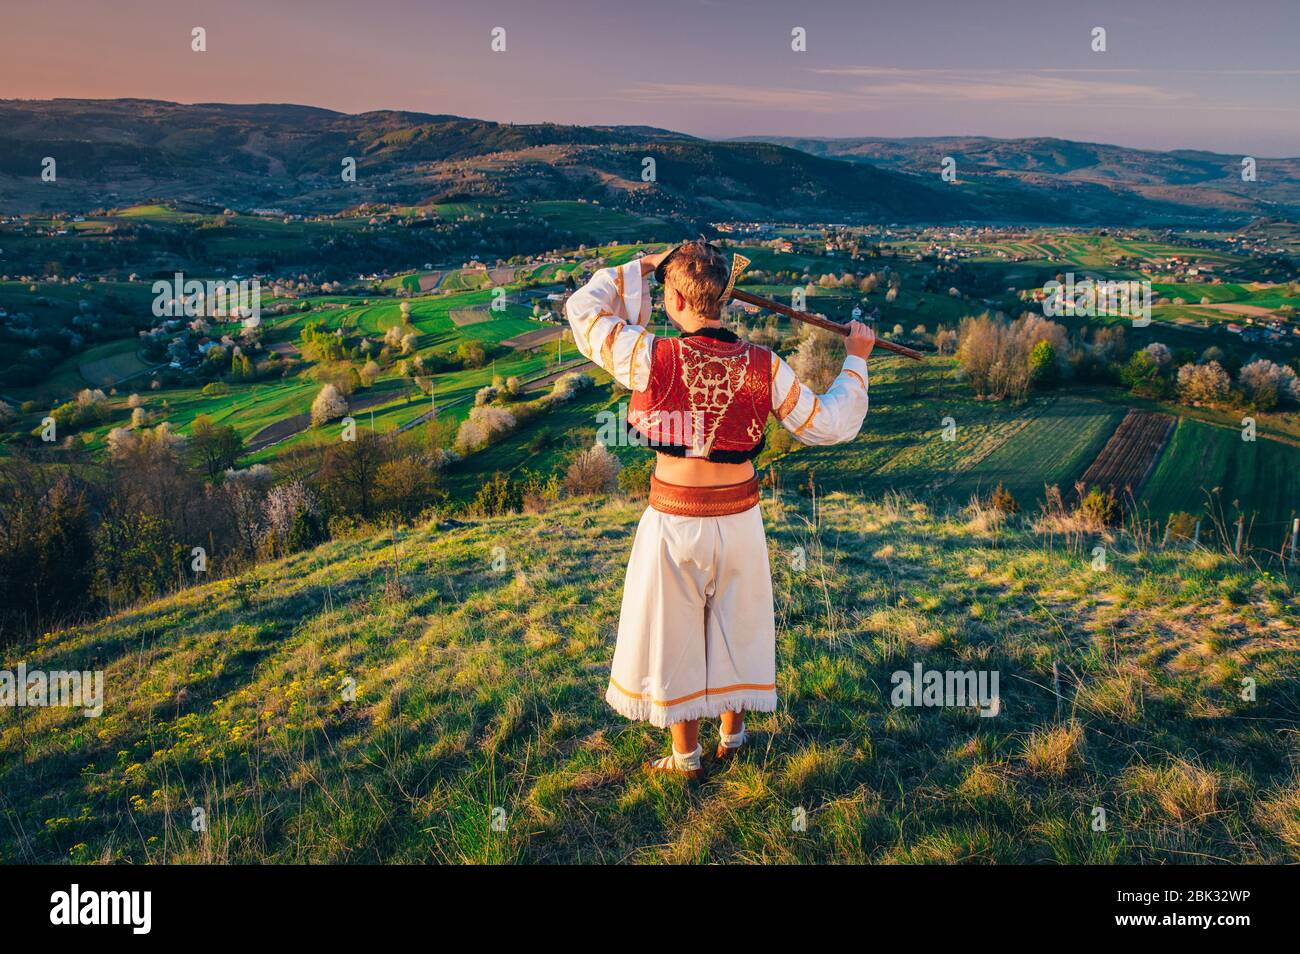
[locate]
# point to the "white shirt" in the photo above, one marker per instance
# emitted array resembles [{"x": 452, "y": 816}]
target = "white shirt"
[{"x": 610, "y": 316}]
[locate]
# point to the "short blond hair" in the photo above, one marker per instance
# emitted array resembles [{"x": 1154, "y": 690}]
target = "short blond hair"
[{"x": 699, "y": 272}]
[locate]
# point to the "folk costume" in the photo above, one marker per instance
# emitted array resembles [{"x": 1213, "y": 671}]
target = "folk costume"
[{"x": 697, "y": 632}]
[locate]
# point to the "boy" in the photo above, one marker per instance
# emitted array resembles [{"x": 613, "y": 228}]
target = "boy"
[{"x": 697, "y": 632}]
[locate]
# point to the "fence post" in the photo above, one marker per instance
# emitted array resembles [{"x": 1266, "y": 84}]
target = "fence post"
[
  {"x": 1056, "y": 687},
  {"x": 1196, "y": 535},
  {"x": 1295, "y": 532},
  {"x": 1241, "y": 529}
]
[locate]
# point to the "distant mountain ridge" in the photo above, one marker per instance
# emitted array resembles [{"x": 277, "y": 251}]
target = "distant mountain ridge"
[
  {"x": 115, "y": 152},
  {"x": 1186, "y": 177}
]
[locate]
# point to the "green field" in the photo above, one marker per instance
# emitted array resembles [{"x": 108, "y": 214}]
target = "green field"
[
  {"x": 1205, "y": 467},
  {"x": 109, "y": 364},
  {"x": 587, "y": 218},
  {"x": 1054, "y": 448}
]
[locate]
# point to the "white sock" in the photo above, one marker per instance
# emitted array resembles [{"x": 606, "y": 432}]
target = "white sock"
[
  {"x": 733, "y": 741},
  {"x": 687, "y": 761}
]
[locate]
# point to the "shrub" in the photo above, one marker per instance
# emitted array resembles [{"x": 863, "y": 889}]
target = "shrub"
[
  {"x": 1002, "y": 500},
  {"x": 406, "y": 485},
  {"x": 329, "y": 404},
  {"x": 568, "y": 386},
  {"x": 496, "y": 497},
  {"x": 1098, "y": 508},
  {"x": 472, "y": 354},
  {"x": 1265, "y": 385},
  {"x": 538, "y": 493},
  {"x": 780, "y": 442},
  {"x": 634, "y": 479},
  {"x": 592, "y": 471},
  {"x": 484, "y": 425},
  {"x": 1204, "y": 383},
  {"x": 818, "y": 359}
]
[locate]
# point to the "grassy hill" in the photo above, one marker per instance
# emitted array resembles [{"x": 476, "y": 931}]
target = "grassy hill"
[
  {"x": 289, "y": 157},
  {"x": 478, "y": 698}
]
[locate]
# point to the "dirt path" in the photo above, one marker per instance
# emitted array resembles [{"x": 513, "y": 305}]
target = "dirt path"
[
  {"x": 538, "y": 384},
  {"x": 1255, "y": 311},
  {"x": 531, "y": 339}
]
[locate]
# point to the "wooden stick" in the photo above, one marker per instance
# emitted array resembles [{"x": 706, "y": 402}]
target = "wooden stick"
[{"x": 826, "y": 323}]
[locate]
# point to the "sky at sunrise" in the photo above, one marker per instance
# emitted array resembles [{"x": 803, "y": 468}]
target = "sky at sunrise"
[{"x": 1175, "y": 74}]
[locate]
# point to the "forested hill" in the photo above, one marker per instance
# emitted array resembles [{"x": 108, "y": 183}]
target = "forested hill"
[{"x": 113, "y": 152}]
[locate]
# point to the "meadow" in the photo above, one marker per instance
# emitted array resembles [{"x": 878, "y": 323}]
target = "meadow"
[{"x": 477, "y": 732}]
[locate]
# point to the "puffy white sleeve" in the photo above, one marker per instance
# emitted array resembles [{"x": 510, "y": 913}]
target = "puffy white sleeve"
[
  {"x": 831, "y": 418},
  {"x": 609, "y": 317}
]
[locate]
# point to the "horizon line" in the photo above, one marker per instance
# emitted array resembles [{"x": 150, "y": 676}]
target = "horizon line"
[{"x": 765, "y": 137}]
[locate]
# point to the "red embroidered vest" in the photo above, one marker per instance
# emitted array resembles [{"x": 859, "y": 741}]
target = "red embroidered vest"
[{"x": 705, "y": 395}]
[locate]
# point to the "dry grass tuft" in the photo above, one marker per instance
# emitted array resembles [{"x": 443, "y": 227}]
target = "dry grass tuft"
[
  {"x": 1280, "y": 813},
  {"x": 1184, "y": 792},
  {"x": 1053, "y": 752}
]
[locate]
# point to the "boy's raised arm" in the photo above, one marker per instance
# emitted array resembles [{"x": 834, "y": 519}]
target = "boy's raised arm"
[
  {"x": 831, "y": 418},
  {"x": 608, "y": 316}
]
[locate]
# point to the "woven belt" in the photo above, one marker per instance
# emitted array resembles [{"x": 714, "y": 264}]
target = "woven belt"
[{"x": 703, "y": 501}]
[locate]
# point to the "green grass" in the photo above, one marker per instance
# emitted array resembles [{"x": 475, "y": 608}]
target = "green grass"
[
  {"x": 587, "y": 218},
  {"x": 479, "y": 695},
  {"x": 1210, "y": 468},
  {"x": 1054, "y": 448}
]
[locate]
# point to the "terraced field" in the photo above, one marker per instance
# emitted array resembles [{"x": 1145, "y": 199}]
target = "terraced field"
[
  {"x": 1129, "y": 456},
  {"x": 106, "y": 365}
]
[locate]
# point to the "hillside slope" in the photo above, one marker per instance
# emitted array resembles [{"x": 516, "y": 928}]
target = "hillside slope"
[
  {"x": 112, "y": 152},
  {"x": 479, "y": 698},
  {"x": 117, "y": 152}
]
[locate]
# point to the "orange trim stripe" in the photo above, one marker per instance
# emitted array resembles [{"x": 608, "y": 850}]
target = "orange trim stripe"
[
  {"x": 791, "y": 399},
  {"x": 858, "y": 376},
  {"x": 607, "y": 349},
  {"x": 621, "y": 307},
  {"x": 631, "y": 362},
  {"x": 586, "y": 332},
  {"x": 817, "y": 406},
  {"x": 694, "y": 695}
]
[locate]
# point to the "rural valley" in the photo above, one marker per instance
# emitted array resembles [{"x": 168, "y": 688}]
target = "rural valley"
[{"x": 375, "y": 472}]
